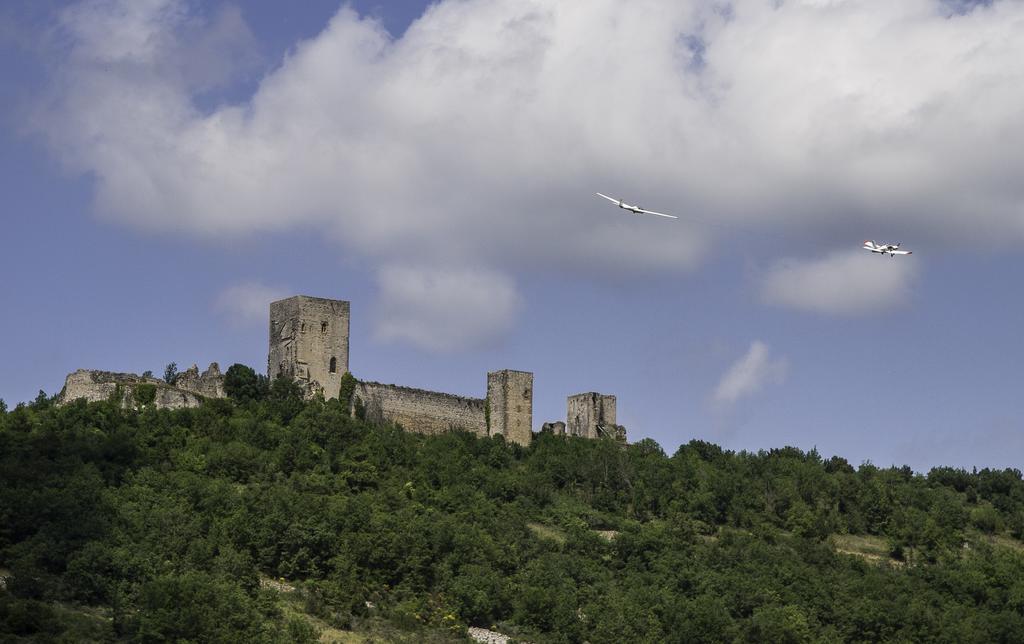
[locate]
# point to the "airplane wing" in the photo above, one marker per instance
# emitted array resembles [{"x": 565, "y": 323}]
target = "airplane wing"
[
  {"x": 902, "y": 252},
  {"x": 660, "y": 214},
  {"x": 611, "y": 199}
]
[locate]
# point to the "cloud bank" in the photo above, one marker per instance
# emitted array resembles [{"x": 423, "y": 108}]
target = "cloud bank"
[
  {"x": 497, "y": 119},
  {"x": 851, "y": 282},
  {"x": 483, "y": 132}
]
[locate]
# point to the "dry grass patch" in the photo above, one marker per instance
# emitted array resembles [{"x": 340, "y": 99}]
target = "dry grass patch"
[
  {"x": 868, "y": 547},
  {"x": 546, "y": 532},
  {"x": 1002, "y": 541}
]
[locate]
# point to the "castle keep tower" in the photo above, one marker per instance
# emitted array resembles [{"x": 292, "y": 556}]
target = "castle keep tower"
[
  {"x": 309, "y": 342},
  {"x": 510, "y": 400},
  {"x": 591, "y": 415}
]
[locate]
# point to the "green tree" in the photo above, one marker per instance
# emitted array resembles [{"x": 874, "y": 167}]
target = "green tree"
[
  {"x": 347, "y": 389},
  {"x": 242, "y": 383},
  {"x": 42, "y": 401},
  {"x": 171, "y": 373},
  {"x": 986, "y": 518},
  {"x": 193, "y": 607},
  {"x": 144, "y": 394},
  {"x": 782, "y": 624}
]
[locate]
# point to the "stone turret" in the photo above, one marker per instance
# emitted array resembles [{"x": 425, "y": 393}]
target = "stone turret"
[
  {"x": 592, "y": 415},
  {"x": 510, "y": 405},
  {"x": 309, "y": 340}
]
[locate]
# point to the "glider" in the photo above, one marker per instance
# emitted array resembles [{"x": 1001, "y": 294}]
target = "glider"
[
  {"x": 636, "y": 210},
  {"x": 892, "y": 249}
]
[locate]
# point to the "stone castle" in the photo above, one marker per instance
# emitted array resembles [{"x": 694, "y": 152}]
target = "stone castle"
[{"x": 309, "y": 342}]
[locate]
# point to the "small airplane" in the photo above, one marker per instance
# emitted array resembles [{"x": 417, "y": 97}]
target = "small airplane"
[
  {"x": 892, "y": 249},
  {"x": 636, "y": 210}
]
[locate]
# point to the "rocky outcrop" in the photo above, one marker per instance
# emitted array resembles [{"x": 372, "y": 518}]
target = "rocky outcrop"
[{"x": 486, "y": 636}]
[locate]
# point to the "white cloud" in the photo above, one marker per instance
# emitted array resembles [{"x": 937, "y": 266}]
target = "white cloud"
[
  {"x": 444, "y": 310},
  {"x": 749, "y": 375},
  {"x": 249, "y": 303},
  {"x": 851, "y": 282},
  {"x": 485, "y": 129}
]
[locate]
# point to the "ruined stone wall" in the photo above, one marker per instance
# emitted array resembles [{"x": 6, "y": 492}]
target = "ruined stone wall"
[
  {"x": 309, "y": 341},
  {"x": 557, "y": 428},
  {"x": 209, "y": 384},
  {"x": 590, "y": 415},
  {"x": 510, "y": 399},
  {"x": 417, "y": 410},
  {"x": 96, "y": 386}
]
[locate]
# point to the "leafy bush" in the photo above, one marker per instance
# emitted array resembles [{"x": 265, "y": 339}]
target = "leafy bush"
[
  {"x": 986, "y": 518},
  {"x": 144, "y": 394},
  {"x": 347, "y": 389},
  {"x": 242, "y": 384}
]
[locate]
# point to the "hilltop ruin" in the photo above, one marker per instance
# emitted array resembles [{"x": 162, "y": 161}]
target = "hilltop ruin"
[{"x": 309, "y": 342}]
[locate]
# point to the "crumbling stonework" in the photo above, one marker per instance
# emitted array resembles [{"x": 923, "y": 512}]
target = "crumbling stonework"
[
  {"x": 210, "y": 384},
  {"x": 557, "y": 428},
  {"x": 592, "y": 415},
  {"x": 309, "y": 342},
  {"x": 95, "y": 386},
  {"x": 417, "y": 410},
  {"x": 510, "y": 398}
]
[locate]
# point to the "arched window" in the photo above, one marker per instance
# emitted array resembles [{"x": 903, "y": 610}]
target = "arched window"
[
  {"x": 323, "y": 327},
  {"x": 334, "y": 365}
]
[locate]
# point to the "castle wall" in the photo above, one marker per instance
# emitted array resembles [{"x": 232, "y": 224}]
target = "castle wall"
[
  {"x": 589, "y": 414},
  {"x": 96, "y": 386},
  {"x": 309, "y": 335},
  {"x": 510, "y": 398},
  {"x": 417, "y": 410}
]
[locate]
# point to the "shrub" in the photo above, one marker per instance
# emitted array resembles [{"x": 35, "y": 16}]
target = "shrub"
[
  {"x": 347, "y": 389},
  {"x": 986, "y": 518},
  {"x": 242, "y": 383},
  {"x": 144, "y": 394}
]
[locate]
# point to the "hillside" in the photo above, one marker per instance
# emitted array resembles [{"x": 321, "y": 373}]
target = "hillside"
[{"x": 278, "y": 520}]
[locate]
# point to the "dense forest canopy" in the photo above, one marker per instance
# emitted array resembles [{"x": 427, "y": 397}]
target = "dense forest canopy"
[{"x": 266, "y": 518}]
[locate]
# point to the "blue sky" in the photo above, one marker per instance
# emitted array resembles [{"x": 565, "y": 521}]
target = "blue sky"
[{"x": 169, "y": 166}]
